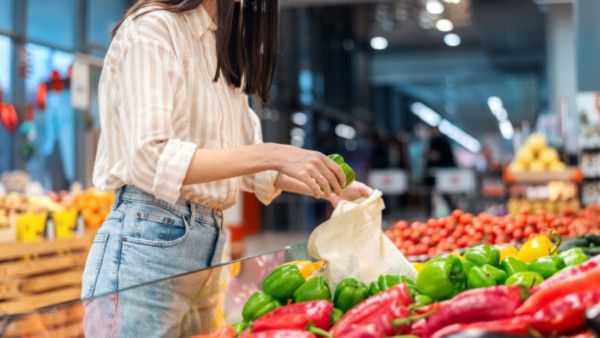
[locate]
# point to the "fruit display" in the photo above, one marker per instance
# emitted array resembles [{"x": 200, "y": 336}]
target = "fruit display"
[
  {"x": 536, "y": 288},
  {"x": 461, "y": 230},
  {"x": 535, "y": 155},
  {"x": 94, "y": 206}
]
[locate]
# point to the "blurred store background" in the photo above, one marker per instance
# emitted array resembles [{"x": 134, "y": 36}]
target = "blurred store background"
[{"x": 398, "y": 87}]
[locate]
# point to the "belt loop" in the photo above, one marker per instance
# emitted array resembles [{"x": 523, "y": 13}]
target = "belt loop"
[{"x": 118, "y": 197}]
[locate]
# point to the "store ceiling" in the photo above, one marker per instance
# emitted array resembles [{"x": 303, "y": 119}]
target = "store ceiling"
[{"x": 502, "y": 54}]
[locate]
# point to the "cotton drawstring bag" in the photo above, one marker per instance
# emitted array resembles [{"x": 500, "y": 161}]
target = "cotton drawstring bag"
[{"x": 352, "y": 243}]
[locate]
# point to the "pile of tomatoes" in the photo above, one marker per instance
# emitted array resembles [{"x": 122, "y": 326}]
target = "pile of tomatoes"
[{"x": 461, "y": 230}]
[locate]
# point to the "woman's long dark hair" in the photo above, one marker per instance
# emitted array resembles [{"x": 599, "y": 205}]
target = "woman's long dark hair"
[{"x": 247, "y": 39}]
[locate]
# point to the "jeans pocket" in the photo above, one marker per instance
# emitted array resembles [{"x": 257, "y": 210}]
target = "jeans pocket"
[
  {"x": 93, "y": 265},
  {"x": 156, "y": 229}
]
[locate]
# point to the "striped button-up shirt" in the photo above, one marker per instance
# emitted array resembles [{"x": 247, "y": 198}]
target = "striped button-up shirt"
[{"x": 158, "y": 104}]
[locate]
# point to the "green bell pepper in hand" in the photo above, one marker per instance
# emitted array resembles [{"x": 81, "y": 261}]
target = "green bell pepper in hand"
[
  {"x": 483, "y": 254},
  {"x": 349, "y": 293},
  {"x": 547, "y": 265},
  {"x": 348, "y": 172},
  {"x": 498, "y": 274},
  {"x": 527, "y": 279},
  {"x": 477, "y": 278},
  {"x": 441, "y": 278},
  {"x": 257, "y": 305},
  {"x": 283, "y": 282},
  {"x": 572, "y": 257},
  {"x": 512, "y": 265},
  {"x": 313, "y": 289}
]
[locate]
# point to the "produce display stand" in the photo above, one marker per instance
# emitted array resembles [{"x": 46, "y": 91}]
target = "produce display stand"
[
  {"x": 38, "y": 275},
  {"x": 551, "y": 191},
  {"x": 60, "y": 314}
]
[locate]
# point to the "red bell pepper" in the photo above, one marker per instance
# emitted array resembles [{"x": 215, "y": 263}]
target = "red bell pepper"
[
  {"x": 587, "y": 281},
  {"x": 515, "y": 325},
  {"x": 298, "y": 316},
  {"x": 565, "y": 314},
  {"x": 364, "y": 331},
  {"x": 378, "y": 310},
  {"x": 226, "y": 332},
  {"x": 568, "y": 273},
  {"x": 282, "y": 334},
  {"x": 477, "y": 305}
]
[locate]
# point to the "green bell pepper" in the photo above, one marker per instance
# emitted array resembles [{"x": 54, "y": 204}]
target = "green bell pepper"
[
  {"x": 527, "y": 279},
  {"x": 512, "y": 265},
  {"x": 441, "y": 278},
  {"x": 349, "y": 293},
  {"x": 374, "y": 288},
  {"x": 348, "y": 172},
  {"x": 498, "y": 274},
  {"x": 483, "y": 254},
  {"x": 336, "y": 315},
  {"x": 337, "y": 158},
  {"x": 572, "y": 257},
  {"x": 283, "y": 282},
  {"x": 257, "y": 305},
  {"x": 547, "y": 265},
  {"x": 240, "y": 327},
  {"x": 313, "y": 289},
  {"x": 477, "y": 278},
  {"x": 467, "y": 265}
]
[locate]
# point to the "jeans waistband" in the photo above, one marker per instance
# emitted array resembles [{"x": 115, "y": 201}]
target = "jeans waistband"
[{"x": 182, "y": 207}]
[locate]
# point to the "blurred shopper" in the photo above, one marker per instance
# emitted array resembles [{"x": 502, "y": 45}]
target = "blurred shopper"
[
  {"x": 439, "y": 155},
  {"x": 178, "y": 142}
]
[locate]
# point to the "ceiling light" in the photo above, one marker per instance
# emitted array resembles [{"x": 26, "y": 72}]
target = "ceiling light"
[
  {"x": 345, "y": 131},
  {"x": 299, "y": 118},
  {"x": 452, "y": 1},
  {"x": 452, "y": 40},
  {"x": 434, "y": 7},
  {"x": 506, "y": 129},
  {"x": 497, "y": 107},
  {"x": 444, "y": 25},
  {"x": 379, "y": 43},
  {"x": 459, "y": 136},
  {"x": 426, "y": 114}
]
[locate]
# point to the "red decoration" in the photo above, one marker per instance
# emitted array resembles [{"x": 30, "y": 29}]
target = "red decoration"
[
  {"x": 42, "y": 96},
  {"x": 8, "y": 116},
  {"x": 56, "y": 83}
]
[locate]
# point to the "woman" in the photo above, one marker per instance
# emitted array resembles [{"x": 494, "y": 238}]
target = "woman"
[{"x": 178, "y": 142}]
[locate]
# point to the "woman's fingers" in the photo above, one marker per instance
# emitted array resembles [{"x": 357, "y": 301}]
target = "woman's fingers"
[
  {"x": 336, "y": 169},
  {"x": 329, "y": 176},
  {"x": 311, "y": 184}
]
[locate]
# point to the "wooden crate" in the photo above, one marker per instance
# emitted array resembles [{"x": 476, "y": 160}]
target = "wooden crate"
[{"x": 41, "y": 275}]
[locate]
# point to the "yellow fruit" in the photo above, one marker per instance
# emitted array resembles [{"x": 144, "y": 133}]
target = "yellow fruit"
[
  {"x": 508, "y": 251},
  {"x": 517, "y": 166},
  {"x": 549, "y": 155},
  {"x": 557, "y": 166},
  {"x": 525, "y": 155},
  {"x": 537, "y": 166},
  {"x": 537, "y": 142}
]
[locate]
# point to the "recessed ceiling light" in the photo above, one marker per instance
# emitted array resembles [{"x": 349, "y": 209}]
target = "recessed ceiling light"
[
  {"x": 452, "y": 39},
  {"x": 434, "y": 7},
  {"x": 379, "y": 43},
  {"x": 444, "y": 25}
]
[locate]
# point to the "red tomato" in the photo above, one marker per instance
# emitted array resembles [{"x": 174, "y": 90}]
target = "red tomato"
[
  {"x": 466, "y": 219},
  {"x": 456, "y": 214}
]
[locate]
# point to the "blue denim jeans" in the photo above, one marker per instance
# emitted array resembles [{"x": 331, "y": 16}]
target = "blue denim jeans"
[{"x": 126, "y": 288}]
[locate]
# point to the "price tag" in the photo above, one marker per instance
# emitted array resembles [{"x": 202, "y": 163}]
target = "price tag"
[
  {"x": 388, "y": 181},
  {"x": 454, "y": 181}
]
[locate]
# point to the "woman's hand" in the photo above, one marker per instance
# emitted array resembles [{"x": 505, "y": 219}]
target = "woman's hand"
[
  {"x": 354, "y": 191},
  {"x": 315, "y": 170}
]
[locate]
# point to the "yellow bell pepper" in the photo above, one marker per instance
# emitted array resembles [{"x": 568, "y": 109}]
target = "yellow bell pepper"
[
  {"x": 307, "y": 268},
  {"x": 539, "y": 246},
  {"x": 418, "y": 266},
  {"x": 236, "y": 267},
  {"x": 508, "y": 251}
]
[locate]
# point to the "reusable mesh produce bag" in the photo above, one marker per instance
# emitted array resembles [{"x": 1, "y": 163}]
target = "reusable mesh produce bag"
[{"x": 352, "y": 244}]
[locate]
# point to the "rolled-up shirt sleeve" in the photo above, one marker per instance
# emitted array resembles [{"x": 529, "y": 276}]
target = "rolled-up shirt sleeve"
[
  {"x": 262, "y": 184},
  {"x": 152, "y": 85}
]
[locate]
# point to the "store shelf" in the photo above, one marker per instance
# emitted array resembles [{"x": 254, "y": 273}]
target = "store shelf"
[{"x": 570, "y": 174}]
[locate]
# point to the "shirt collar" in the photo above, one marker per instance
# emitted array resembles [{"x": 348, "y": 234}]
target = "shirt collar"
[{"x": 200, "y": 21}]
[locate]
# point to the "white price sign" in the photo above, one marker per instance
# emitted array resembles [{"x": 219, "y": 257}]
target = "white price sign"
[
  {"x": 388, "y": 181},
  {"x": 455, "y": 181}
]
